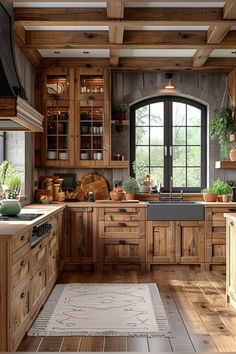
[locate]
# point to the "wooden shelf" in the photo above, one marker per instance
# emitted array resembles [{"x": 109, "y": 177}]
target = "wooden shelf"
[{"x": 225, "y": 164}]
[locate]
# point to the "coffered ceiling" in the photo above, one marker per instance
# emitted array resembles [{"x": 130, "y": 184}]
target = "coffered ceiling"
[{"x": 129, "y": 35}]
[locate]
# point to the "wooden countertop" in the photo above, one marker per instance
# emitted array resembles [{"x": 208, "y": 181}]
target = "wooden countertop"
[
  {"x": 12, "y": 228},
  {"x": 230, "y": 216}
]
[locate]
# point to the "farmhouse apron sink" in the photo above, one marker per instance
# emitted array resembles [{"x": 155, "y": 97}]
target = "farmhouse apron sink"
[{"x": 175, "y": 210}]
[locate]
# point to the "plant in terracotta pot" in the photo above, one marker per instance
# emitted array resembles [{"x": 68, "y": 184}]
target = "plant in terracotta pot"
[
  {"x": 223, "y": 189},
  {"x": 131, "y": 187},
  {"x": 221, "y": 127},
  {"x": 209, "y": 194}
]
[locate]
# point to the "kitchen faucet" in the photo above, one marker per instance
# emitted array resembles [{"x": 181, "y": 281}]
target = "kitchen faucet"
[{"x": 169, "y": 197}]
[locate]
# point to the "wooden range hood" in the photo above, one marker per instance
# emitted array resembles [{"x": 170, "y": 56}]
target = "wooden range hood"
[{"x": 17, "y": 114}]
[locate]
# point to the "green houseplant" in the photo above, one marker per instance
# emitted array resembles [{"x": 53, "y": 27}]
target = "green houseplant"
[
  {"x": 210, "y": 194},
  {"x": 10, "y": 181},
  {"x": 119, "y": 111},
  {"x": 131, "y": 187},
  {"x": 221, "y": 127},
  {"x": 223, "y": 190}
]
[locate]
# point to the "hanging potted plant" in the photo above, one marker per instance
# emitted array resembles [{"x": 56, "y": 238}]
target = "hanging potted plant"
[{"x": 222, "y": 127}]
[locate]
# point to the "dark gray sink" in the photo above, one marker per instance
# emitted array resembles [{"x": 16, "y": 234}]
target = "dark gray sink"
[{"x": 175, "y": 210}]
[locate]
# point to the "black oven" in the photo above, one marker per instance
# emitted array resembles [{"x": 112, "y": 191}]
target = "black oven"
[{"x": 40, "y": 231}]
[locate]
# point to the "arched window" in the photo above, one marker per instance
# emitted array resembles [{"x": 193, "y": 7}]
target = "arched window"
[{"x": 168, "y": 135}]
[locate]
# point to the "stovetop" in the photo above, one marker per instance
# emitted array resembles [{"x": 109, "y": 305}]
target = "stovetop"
[{"x": 20, "y": 217}]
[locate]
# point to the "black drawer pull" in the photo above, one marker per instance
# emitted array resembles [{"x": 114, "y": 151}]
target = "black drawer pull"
[
  {"x": 22, "y": 296},
  {"x": 122, "y": 210},
  {"x": 23, "y": 263},
  {"x": 122, "y": 224},
  {"x": 40, "y": 246},
  {"x": 22, "y": 238},
  {"x": 40, "y": 274},
  {"x": 232, "y": 209},
  {"x": 122, "y": 242},
  {"x": 231, "y": 223}
]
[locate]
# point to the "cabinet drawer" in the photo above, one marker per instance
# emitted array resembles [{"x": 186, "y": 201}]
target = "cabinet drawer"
[
  {"x": 20, "y": 309},
  {"x": 20, "y": 273},
  {"x": 21, "y": 245},
  {"x": 124, "y": 251},
  {"x": 127, "y": 229},
  {"x": 38, "y": 289},
  {"x": 38, "y": 257},
  {"x": 122, "y": 214}
]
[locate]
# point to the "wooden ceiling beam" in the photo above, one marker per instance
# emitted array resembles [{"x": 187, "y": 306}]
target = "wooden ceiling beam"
[
  {"x": 230, "y": 10},
  {"x": 118, "y": 38},
  {"x": 20, "y": 39},
  {"x": 114, "y": 57},
  {"x": 116, "y": 34},
  {"x": 115, "y": 9},
  {"x": 132, "y": 16},
  {"x": 144, "y": 64},
  {"x": 216, "y": 34},
  {"x": 201, "y": 56}
]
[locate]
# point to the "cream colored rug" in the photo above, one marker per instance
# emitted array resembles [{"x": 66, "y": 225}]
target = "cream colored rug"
[{"x": 102, "y": 310}]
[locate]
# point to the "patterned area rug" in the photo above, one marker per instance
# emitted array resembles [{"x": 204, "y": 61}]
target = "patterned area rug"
[{"x": 102, "y": 310}]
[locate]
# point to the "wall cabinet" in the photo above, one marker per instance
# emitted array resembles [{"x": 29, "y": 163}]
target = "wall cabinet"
[
  {"x": 215, "y": 235},
  {"x": 58, "y": 110},
  {"x": 231, "y": 262},
  {"x": 81, "y": 236},
  {"x": 78, "y": 128},
  {"x": 122, "y": 236},
  {"x": 171, "y": 242}
]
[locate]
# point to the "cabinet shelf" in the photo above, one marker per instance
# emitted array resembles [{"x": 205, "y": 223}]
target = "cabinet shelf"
[
  {"x": 225, "y": 164},
  {"x": 117, "y": 122}
]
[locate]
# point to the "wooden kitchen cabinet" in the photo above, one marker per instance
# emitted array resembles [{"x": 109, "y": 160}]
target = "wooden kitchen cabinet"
[
  {"x": 122, "y": 236},
  {"x": 161, "y": 242},
  {"x": 190, "y": 242},
  {"x": 58, "y": 110},
  {"x": 215, "y": 236},
  {"x": 231, "y": 261},
  {"x": 81, "y": 237},
  {"x": 27, "y": 277},
  {"x": 175, "y": 242},
  {"x": 92, "y": 112}
]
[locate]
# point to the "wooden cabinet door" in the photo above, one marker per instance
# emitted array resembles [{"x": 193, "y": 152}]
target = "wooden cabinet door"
[
  {"x": 52, "y": 260},
  {"x": 190, "y": 242},
  {"x": 216, "y": 235},
  {"x": 38, "y": 288},
  {"x": 20, "y": 309},
  {"x": 231, "y": 261},
  {"x": 161, "y": 241},
  {"x": 81, "y": 248}
]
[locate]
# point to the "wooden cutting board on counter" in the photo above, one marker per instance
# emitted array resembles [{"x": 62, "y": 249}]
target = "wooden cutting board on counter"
[{"x": 97, "y": 184}]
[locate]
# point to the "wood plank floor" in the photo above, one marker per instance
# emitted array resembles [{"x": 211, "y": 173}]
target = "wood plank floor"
[{"x": 195, "y": 305}]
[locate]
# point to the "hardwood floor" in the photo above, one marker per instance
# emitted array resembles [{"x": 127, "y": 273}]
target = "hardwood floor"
[{"x": 195, "y": 305}]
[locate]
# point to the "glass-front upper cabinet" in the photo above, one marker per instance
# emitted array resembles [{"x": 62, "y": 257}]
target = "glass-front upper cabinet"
[
  {"x": 58, "y": 109},
  {"x": 92, "y": 113}
]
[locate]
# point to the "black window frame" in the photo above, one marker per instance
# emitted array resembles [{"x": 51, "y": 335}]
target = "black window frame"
[
  {"x": 2, "y": 146},
  {"x": 168, "y": 100}
]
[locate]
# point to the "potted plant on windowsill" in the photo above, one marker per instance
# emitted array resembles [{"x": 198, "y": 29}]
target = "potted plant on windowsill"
[
  {"x": 209, "y": 194},
  {"x": 221, "y": 127},
  {"x": 131, "y": 187},
  {"x": 10, "y": 184},
  {"x": 223, "y": 189}
]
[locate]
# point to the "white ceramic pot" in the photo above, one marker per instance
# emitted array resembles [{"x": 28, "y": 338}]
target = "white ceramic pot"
[{"x": 52, "y": 155}]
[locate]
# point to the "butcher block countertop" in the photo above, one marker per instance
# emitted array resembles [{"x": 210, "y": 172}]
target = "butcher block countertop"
[{"x": 12, "y": 228}]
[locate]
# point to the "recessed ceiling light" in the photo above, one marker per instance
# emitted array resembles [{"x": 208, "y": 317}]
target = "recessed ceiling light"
[
  {"x": 86, "y": 52},
  {"x": 57, "y": 52},
  {"x": 233, "y": 52}
]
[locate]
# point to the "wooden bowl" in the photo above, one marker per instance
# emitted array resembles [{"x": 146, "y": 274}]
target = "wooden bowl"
[{"x": 117, "y": 196}]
